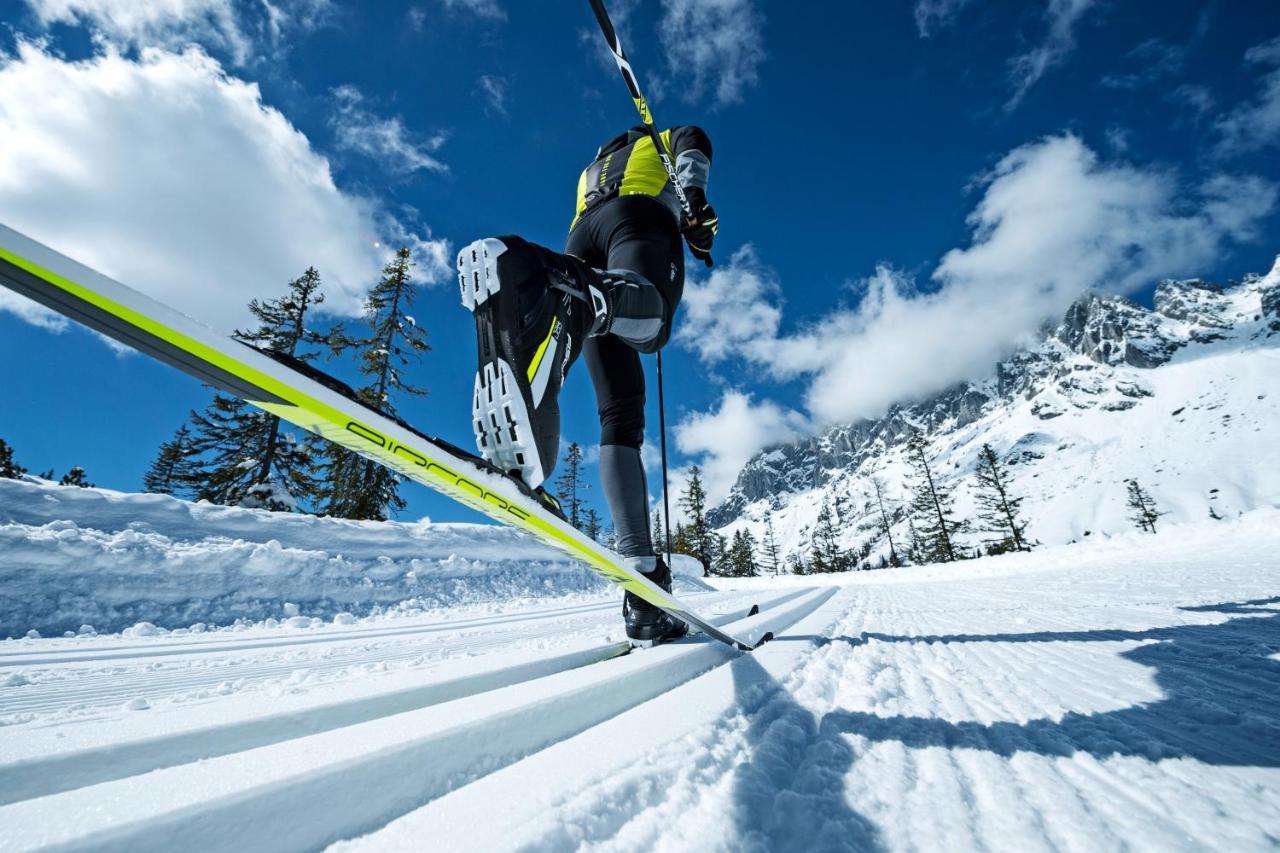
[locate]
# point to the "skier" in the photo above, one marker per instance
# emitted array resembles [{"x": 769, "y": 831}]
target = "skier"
[{"x": 611, "y": 296}]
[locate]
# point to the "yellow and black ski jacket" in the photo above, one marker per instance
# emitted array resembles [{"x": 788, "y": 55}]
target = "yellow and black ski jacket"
[{"x": 628, "y": 164}]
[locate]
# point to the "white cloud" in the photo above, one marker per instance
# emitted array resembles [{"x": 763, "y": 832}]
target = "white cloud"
[
  {"x": 1198, "y": 99},
  {"x": 385, "y": 140},
  {"x": 177, "y": 179},
  {"x": 726, "y": 438},
  {"x": 494, "y": 89},
  {"x": 1054, "y": 221},
  {"x": 713, "y": 48},
  {"x": 732, "y": 308},
  {"x": 215, "y": 24},
  {"x": 1256, "y": 125},
  {"x": 933, "y": 15},
  {"x": 1026, "y": 69},
  {"x": 480, "y": 8}
]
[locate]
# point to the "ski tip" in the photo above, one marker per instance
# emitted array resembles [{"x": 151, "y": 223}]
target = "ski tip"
[{"x": 755, "y": 609}]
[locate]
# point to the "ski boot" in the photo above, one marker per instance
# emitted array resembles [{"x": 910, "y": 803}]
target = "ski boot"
[
  {"x": 533, "y": 309},
  {"x": 648, "y": 625}
]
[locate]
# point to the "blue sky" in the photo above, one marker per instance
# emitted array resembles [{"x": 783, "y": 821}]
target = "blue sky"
[{"x": 905, "y": 189}]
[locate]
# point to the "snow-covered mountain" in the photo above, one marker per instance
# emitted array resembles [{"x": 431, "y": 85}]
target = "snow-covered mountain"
[{"x": 1185, "y": 397}]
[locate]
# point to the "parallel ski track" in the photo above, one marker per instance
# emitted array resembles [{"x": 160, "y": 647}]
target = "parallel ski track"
[
  {"x": 87, "y": 683},
  {"x": 25, "y": 779},
  {"x": 990, "y": 714},
  {"x": 298, "y": 792},
  {"x": 214, "y": 644}
]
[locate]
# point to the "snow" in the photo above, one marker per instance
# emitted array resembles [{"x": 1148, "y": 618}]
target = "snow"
[
  {"x": 1201, "y": 431},
  {"x": 147, "y": 564},
  {"x": 1116, "y": 693}
]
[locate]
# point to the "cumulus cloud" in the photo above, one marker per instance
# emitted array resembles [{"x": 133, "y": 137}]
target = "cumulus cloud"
[
  {"x": 714, "y": 48},
  {"x": 729, "y": 436},
  {"x": 1027, "y": 68},
  {"x": 1256, "y": 125},
  {"x": 933, "y": 15},
  {"x": 1053, "y": 221},
  {"x": 215, "y": 24},
  {"x": 177, "y": 179},
  {"x": 386, "y": 140},
  {"x": 731, "y": 309}
]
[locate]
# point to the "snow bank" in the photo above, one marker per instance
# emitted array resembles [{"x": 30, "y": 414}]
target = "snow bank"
[{"x": 127, "y": 559}]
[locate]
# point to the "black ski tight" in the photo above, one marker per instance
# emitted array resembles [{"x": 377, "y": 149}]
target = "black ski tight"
[{"x": 636, "y": 233}]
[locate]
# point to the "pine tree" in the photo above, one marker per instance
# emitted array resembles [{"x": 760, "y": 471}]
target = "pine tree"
[
  {"x": 826, "y": 554},
  {"x": 355, "y": 487},
  {"x": 172, "y": 470},
  {"x": 742, "y": 555},
  {"x": 568, "y": 483},
  {"x": 931, "y": 508},
  {"x": 660, "y": 543},
  {"x": 242, "y": 456},
  {"x": 885, "y": 524},
  {"x": 76, "y": 477},
  {"x": 797, "y": 565},
  {"x": 999, "y": 511},
  {"x": 282, "y": 322},
  {"x": 680, "y": 540},
  {"x": 772, "y": 563},
  {"x": 591, "y": 523},
  {"x": 9, "y": 469},
  {"x": 1145, "y": 513},
  {"x": 718, "y": 554},
  {"x": 693, "y": 500}
]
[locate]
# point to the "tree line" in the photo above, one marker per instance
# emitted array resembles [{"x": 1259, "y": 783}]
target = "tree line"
[{"x": 933, "y": 525}]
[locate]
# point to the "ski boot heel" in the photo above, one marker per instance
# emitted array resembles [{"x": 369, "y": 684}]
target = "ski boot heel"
[
  {"x": 528, "y": 333},
  {"x": 478, "y": 271}
]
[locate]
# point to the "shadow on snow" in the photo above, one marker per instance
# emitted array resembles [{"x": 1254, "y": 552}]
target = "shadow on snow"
[{"x": 1219, "y": 707}]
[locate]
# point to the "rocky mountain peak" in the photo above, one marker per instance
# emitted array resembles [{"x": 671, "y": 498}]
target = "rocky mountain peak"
[{"x": 1093, "y": 359}]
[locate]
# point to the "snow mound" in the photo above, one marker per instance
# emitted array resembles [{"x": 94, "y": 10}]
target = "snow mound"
[{"x": 149, "y": 564}]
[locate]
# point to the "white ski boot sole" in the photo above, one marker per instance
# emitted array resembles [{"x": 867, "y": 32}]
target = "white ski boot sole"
[
  {"x": 499, "y": 418},
  {"x": 478, "y": 271}
]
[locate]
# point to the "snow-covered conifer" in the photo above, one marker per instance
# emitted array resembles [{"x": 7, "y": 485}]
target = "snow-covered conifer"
[
  {"x": 772, "y": 562},
  {"x": 8, "y": 467},
  {"x": 885, "y": 524},
  {"x": 355, "y": 487},
  {"x": 698, "y": 536},
  {"x": 76, "y": 477},
  {"x": 239, "y": 455},
  {"x": 1142, "y": 506},
  {"x": 931, "y": 509},
  {"x": 826, "y": 554},
  {"x": 999, "y": 512},
  {"x": 569, "y": 482},
  {"x": 172, "y": 469}
]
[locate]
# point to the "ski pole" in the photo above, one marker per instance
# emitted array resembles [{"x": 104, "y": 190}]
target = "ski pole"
[
  {"x": 664, "y": 154},
  {"x": 624, "y": 66}
]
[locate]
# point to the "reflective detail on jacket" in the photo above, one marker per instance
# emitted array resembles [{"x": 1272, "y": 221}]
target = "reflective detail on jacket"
[{"x": 628, "y": 164}]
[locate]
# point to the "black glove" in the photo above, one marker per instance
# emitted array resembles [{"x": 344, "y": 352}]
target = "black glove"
[{"x": 701, "y": 227}]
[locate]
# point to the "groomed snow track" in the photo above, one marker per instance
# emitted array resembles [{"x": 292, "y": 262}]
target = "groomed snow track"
[{"x": 301, "y": 779}]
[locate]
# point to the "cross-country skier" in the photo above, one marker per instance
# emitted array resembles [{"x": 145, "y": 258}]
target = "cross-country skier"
[{"x": 612, "y": 296}]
